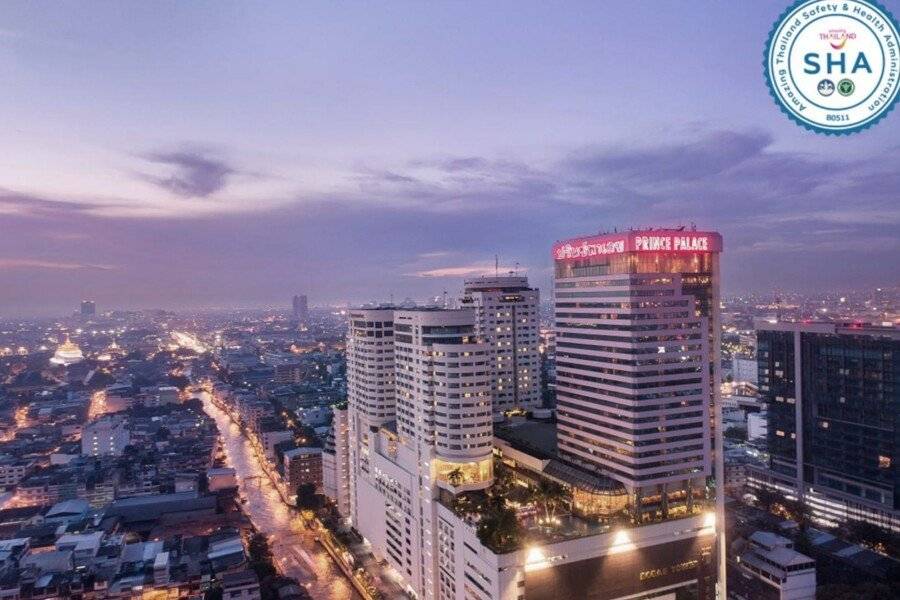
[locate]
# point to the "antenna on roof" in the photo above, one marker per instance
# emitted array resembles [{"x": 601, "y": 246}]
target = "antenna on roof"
[
  {"x": 445, "y": 298},
  {"x": 496, "y": 265}
]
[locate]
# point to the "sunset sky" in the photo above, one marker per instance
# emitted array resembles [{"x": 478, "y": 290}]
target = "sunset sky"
[{"x": 171, "y": 154}]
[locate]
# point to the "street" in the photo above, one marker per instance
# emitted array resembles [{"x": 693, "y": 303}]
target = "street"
[{"x": 296, "y": 552}]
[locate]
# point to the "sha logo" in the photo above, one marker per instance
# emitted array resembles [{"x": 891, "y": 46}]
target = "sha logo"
[{"x": 818, "y": 47}]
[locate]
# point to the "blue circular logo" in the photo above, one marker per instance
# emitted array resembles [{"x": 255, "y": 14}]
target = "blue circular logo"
[{"x": 834, "y": 66}]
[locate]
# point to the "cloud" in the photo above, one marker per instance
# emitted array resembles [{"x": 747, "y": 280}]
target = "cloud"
[
  {"x": 13, "y": 203},
  {"x": 457, "y": 272},
  {"x": 32, "y": 263},
  {"x": 460, "y": 271},
  {"x": 194, "y": 174}
]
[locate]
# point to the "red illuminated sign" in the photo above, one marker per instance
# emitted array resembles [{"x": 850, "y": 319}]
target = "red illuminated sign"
[{"x": 638, "y": 241}]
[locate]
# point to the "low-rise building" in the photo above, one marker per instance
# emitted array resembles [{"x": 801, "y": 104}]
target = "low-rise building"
[{"x": 767, "y": 567}]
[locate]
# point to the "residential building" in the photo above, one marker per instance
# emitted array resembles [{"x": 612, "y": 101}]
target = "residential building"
[
  {"x": 106, "y": 436},
  {"x": 302, "y": 466},
  {"x": 507, "y": 317},
  {"x": 768, "y": 568},
  {"x": 336, "y": 461}
]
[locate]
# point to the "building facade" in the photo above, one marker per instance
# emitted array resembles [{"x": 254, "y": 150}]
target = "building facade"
[
  {"x": 336, "y": 461},
  {"x": 637, "y": 367},
  {"x": 106, "y": 436},
  {"x": 507, "y": 317},
  {"x": 300, "y": 306},
  {"x": 370, "y": 386},
  {"x": 833, "y": 405},
  {"x": 440, "y": 436}
]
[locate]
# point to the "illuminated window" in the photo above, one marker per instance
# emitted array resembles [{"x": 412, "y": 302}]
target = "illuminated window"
[{"x": 884, "y": 462}]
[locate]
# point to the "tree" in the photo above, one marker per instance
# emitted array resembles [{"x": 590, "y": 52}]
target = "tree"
[
  {"x": 550, "y": 495},
  {"x": 499, "y": 530},
  {"x": 873, "y": 537},
  {"x": 504, "y": 478},
  {"x": 306, "y": 496},
  {"x": 455, "y": 477},
  {"x": 260, "y": 556},
  {"x": 736, "y": 434}
]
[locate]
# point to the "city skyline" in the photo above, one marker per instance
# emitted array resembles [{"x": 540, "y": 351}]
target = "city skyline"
[{"x": 183, "y": 157}]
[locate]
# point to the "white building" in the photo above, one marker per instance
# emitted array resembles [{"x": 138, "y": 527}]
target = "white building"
[
  {"x": 412, "y": 469},
  {"x": 336, "y": 462},
  {"x": 744, "y": 369},
  {"x": 370, "y": 385},
  {"x": 106, "y": 436},
  {"x": 441, "y": 437},
  {"x": 507, "y": 317},
  {"x": 757, "y": 425},
  {"x": 221, "y": 478},
  {"x": 770, "y": 569}
]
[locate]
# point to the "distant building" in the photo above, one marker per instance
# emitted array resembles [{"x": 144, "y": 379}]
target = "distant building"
[
  {"x": 301, "y": 309},
  {"x": 67, "y": 354},
  {"x": 302, "y": 466},
  {"x": 758, "y": 425},
  {"x": 833, "y": 432},
  {"x": 769, "y": 568},
  {"x": 88, "y": 308},
  {"x": 506, "y": 317},
  {"x": 106, "y": 436},
  {"x": 744, "y": 370},
  {"x": 224, "y": 478},
  {"x": 13, "y": 470},
  {"x": 243, "y": 585}
]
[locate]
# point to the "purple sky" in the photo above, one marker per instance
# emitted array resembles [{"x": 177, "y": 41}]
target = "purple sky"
[{"x": 233, "y": 154}]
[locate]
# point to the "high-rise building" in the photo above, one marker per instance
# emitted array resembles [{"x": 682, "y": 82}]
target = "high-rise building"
[
  {"x": 833, "y": 418},
  {"x": 370, "y": 385},
  {"x": 506, "y": 317},
  {"x": 423, "y": 426},
  {"x": 424, "y": 493},
  {"x": 336, "y": 461},
  {"x": 637, "y": 367},
  {"x": 88, "y": 308},
  {"x": 638, "y": 364},
  {"x": 302, "y": 466},
  {"x": 301, "y": 309}
]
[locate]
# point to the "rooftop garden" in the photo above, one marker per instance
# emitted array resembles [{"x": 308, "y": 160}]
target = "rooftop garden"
[{"x": 521, "y": 509}]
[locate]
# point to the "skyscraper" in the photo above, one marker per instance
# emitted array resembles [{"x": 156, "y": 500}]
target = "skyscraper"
[
  {"x": 88, "y": 308},
  {"x": 370, "y": 386},
  {"x": 301, "y": 309},
  {"x": 834, "y": 418},
  {"x": 506, "y": 317},
  {"x": 432, "y": 431},
  {"x": 637, "y": 366},
  {"x": 637, "y": 363},
  {"x": 460, "y": 512}
]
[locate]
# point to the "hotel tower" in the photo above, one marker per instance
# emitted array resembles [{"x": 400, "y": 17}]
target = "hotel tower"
[{"x": 638, "y": 351}]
